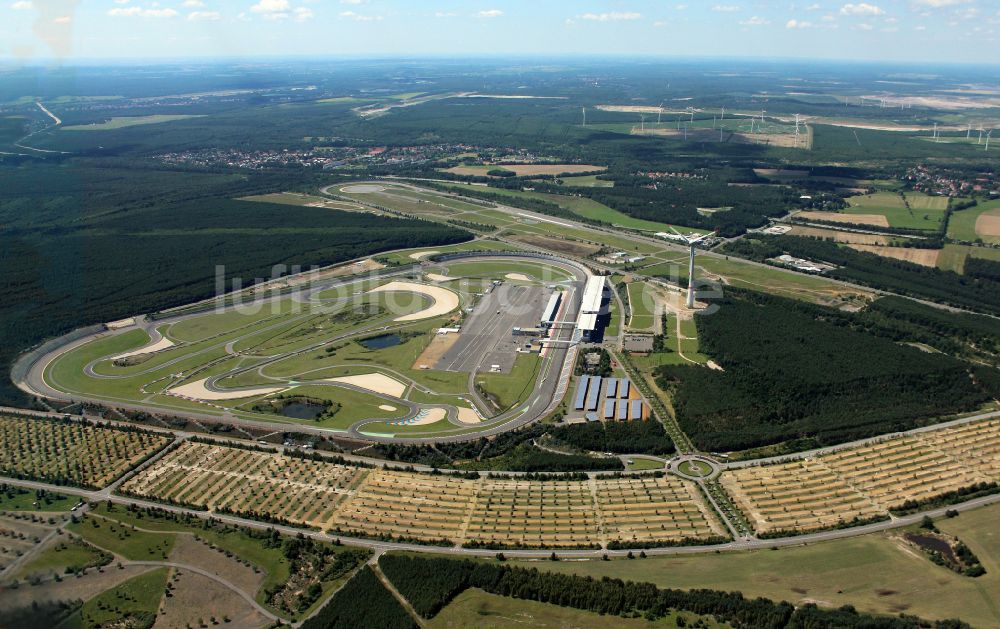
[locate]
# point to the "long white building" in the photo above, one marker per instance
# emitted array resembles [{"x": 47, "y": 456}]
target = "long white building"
[{"x": 593, "y": 296}]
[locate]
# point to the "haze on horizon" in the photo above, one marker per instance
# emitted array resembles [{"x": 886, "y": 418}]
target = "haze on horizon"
[{"x": 951, "y": 31}]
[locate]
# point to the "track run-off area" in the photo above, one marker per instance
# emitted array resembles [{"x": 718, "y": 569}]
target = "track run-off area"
[{"x": 416, "y": 348}]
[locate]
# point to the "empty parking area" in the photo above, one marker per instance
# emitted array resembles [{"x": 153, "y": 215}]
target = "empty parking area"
[{"x": 866, "y": 481}]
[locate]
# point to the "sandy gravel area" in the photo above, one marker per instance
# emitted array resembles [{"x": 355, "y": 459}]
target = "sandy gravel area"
[
  {"x": 834, "y": 217},
  {"x": 119, "y": 324},
  {"x": 521, "y": 277},
  {"x": 428, "y": 416},
  {"x": 444, "y": 300},
  {"x": 468, "y": 416},
  {"x": 377, "y": 382},
  {"x": 163, "y": 343},
  {"x": 198, "y": 391},
  {"x": 923, "y": 257},
  {"x": 435, "y": 350},
  {"x": 437, "y": 277},
  {"x": 386, "y": 407},
  {"x": 988, "y": 223},
  {"x": 197, "y": 598},
  {"x": 420, "y": 255}
]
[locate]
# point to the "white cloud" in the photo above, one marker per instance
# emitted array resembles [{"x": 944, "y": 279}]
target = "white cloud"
[
  {"x": 726, "y": 8},
  {"x": 614, "y": 16},
  {"x": 270, "y": 6},
  {"x": 659, "y": 24},
  {"x": 63, "y": 19},
  {"x": 862, "y": 8},
  {"x": 798, "y": 24},
  {"x": 937, "y": 4},
  {"x": 22, "y": 5},
  {"x": 756, "y": 21},
  {"x": 357, "y": 17},
  {"x": 192, "y": 4},
  {"x": 445, "y": 14},
  {"x": 813, "y": 7},
  {"x": 921, "y": 27},
  {"x": 490, "y": 13},
  {"x": 140, "y": 12},
  {"x": 303, "y": 13},
  {"x": 204, "y": 16},
  {"x": 352, "y": 1},
  {"x": 864, "y": 26}
]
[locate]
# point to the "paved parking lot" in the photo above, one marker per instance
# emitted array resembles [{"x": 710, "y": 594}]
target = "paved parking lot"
[{"x": 486, "y": 334}]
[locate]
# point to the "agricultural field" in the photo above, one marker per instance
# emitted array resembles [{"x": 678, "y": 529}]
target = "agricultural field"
[
  {"x": 866, "y": 482},
  {"x": 71, "y": 453},
  {"x": 908, "y": 211},
  {"x": 876, "y": 573},
  {"x": 525, "y": 170},
  {"x": 953, "y": 257},
  {"x": 979, "y": 222},
  {"x": 432, "y": 509}
]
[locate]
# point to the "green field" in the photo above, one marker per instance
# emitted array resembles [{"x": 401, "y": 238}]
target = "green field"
[
  {"x": 501, "y": 268},
  {"x": 925, "y": 212},
  {"x": 120, "y": 122},
  {"x": 643, "y": 307},
  {"x": 117, "y": 537},
  {"x": 64, "y": 556},
  {"x": 511, "y": 388},
  {"x": 875, "y": 573},
  {"x": 15, "y": 499},
  {"x": 962, "y": 224},
  {"x": 585, "y": 181},
  {"x": 138, "y": 598},
  {"x": 952, "y": 257},
  {"x": 476, "y": 608}
]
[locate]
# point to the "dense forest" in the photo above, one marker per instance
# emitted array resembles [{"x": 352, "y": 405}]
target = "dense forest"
[
  {"x": 361, "y": 602},
  {"x": 84, "y": 246},
  {"x": 430, "y": 583},
  {"x": 794, "y": 370},
  {"x": 631, "y": 437},
  {"x": 979, "y": 293}
]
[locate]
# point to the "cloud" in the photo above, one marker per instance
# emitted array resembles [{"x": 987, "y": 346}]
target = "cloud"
[
  {"x": 304, "y": 13},
  {"x": 755, "y": 21},
  {"x": 798, "y": 24},
  {"x": 271, "y": 6},
  {"x": 191, "y": 4},
  {"x": 204, "y": 16},
  {"x": 937, "y": 4},
  {"x": 140, "y": 12},
  {"x": 614, "y": 16},
  {"x": 862, "y": 8},
  {"x": 813, "y": 7},
  {"x": 22, "y": 5},
  {"x": 864, "y": 26},
  {"x": 357, "y": 17},
  {"x": 490, "y": 13},
  {"x": 445, "y": 14},
  {"x": 726, "y": 8},
  {"x": 352, "y": 2}
]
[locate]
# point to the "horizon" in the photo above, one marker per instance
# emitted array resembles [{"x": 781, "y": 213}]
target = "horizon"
[{"x": 886, "y": 31}]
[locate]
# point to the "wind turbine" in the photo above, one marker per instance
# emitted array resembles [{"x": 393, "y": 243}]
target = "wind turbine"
[
  {"x": 691, "y": 242},
  {"x": 642, "y": 123},
  {"x": 584, "y": 116},
  {"x": 988, "y": 139},
  {"x": 968, "y": 131},
  {"x": 659, "y": 112},
  {"x": 796, "y": 129},
  {"x": 980, "y": 134}
]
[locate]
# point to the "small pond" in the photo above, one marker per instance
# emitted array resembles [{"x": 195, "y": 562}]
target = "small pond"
[
  {"x": 381, "y": 342},
  {"x": 302, "y": 410}
]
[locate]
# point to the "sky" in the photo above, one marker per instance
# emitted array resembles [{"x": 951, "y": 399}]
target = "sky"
[{"x": 67, "y": 31}]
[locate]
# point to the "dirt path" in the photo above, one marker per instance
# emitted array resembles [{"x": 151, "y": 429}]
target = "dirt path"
[{"x": 373, "y": 562}]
